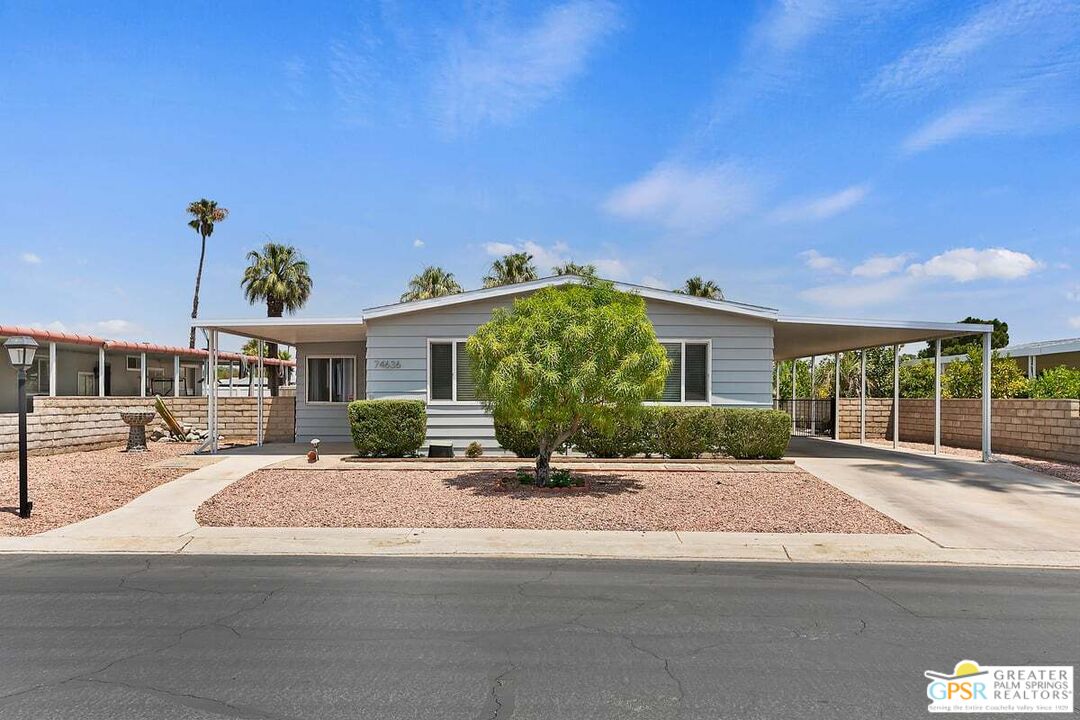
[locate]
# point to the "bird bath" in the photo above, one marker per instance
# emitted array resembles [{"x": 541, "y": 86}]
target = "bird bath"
[{"x": 137, "y": 420}]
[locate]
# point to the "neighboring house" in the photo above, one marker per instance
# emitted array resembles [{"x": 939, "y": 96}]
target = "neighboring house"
[
  {"x": 722, "y": 353},
  {"x": 69, "y": 364}
]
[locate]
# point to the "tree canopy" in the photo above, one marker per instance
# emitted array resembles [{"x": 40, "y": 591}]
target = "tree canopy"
[
  {"x": 960, "y": 345},
  {"x": 278, "y": 276},
  {"x": 564, "y": 356},
  {"x": 573, "y": 268},
  {"x": 431, "y": 282},
  {"x": 509, "y": 269}
]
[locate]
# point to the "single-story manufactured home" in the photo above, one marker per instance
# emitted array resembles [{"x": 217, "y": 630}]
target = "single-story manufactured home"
[
  {"x": 71, "y": 364},
  {"x": 723, "y": 353}
]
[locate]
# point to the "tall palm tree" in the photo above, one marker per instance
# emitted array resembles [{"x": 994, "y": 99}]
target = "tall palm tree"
[
  {"x": 509, "y": 269},
  {"x": 431, "y": 282},
  {"x": 572, "y": 268},
  {"x": 279, "y": 277},
  {"x": 699, "y": 287},
  {"x": 205, "y": 214}
]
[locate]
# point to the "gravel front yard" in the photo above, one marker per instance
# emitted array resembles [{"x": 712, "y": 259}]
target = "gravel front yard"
[
  {"x": 74, "y": 486},
  {"x": 1057, "y": 468},
  {"x": 719, "y": 501}
]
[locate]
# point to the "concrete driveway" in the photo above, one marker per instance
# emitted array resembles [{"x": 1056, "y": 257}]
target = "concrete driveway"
[{"x": 954, "y": 502}]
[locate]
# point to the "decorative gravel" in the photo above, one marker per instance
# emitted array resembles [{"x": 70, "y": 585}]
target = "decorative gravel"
[
  {"x": 788, "y": 502},
  {"x": 1056, "y": 468},
  {"x": 74, "y": 486}
]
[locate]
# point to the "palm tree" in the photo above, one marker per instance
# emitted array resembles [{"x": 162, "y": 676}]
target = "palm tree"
[
  {"x": 698, "y": 287},
  {"x": 509, "y": 269},
  {"x": 572, "y": 268},
  {"x": 279, "y": 277},
  {"x": 432, "y": 282},
  {"x": 204, "y": 215}
]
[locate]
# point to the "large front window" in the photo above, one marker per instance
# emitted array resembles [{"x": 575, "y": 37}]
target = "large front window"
[
  {"x": 450, "y": 372},
  {"x": 688, "y": 378},
  {"x": 331, "y": 379},
  {"x": 37, "y": 377}
]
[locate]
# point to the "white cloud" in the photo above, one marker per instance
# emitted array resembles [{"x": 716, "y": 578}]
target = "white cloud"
[
  {"x": 967, "y": 264},
  {"x": 816, "y": 261},
  {"x": 880, "y": 265},
  {"x": 823, "y": 207},
  {"x": 1073, "y": 293},
  {"x": 611, "y": 268},
  {"x": 500, "y": 73},
  {"x": 30, "y": 258},
  {"x": 927, "y": 65},
  {"x": 995, "y": 115},
  {"x": 791, "y": 23},
  {"x": 858, "y": 295},
  {"x": 418, "y": 243},
  {"x": 692, "y": 200},
  {"x": 1074, "y": 321}
]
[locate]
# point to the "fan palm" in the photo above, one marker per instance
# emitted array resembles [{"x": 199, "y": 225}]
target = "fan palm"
[
  {"x": 431, "y": 282},
  {"x": 509, "y": 269},
  {"x": 572, "y": 268},
  {"x": 205, "y": 214},
  {"x": 279, "y": 277},
  {"x": 699, "y": 287}
]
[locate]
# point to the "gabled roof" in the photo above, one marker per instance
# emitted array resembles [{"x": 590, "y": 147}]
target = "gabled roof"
[
  {"x": 468, "y": 296},
  {"x": 1042, "y": 347}
]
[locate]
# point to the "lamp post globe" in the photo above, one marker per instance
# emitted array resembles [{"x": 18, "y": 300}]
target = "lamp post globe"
[{"x": 21, "y": 354}]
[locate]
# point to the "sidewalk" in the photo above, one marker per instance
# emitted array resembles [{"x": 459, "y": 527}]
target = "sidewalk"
[{"x": 163, "y": 521}]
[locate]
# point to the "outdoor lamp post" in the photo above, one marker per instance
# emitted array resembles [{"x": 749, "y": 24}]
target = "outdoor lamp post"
[{"x": 21, "y": 352}]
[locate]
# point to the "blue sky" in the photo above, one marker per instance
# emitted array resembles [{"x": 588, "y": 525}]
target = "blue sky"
[{"x": 909, "y": 159}]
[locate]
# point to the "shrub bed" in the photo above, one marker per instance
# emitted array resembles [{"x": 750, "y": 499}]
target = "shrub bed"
[
  {"x": 517, "y": 440},
  {"x": 690, "y": 432},
  {"x": 387, "y": 428}
]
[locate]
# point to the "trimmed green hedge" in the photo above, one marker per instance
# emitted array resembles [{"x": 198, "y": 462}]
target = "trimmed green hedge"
[
  {"x": 690, "y": 432},
  {"x": 387, "y": 428},
  {"x": 753, "y": 434}
]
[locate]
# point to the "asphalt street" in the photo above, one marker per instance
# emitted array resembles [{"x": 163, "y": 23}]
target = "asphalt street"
[{"x": 116, "y": 637}]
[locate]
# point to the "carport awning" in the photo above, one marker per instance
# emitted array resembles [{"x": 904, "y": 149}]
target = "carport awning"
[
  {"x": 800, "y": 337},
  {"x": 291, "y": 331}
]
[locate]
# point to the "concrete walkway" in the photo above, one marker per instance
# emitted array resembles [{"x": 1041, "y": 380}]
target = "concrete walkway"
[
  {"x": 964, "y": 513},
  {"x": 955, "y": 502}
]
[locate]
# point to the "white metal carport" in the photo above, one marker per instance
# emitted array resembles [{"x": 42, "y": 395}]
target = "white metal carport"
[
  {"x": 284, "y": 331},
  {"x": 808, "y": 337}
]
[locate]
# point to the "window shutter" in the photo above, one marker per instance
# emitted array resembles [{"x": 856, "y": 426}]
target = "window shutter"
[
  {"x": 696, "y": 372},
  {"x": 442, "y": 371},
  {"x": 466, "y": 385},
  {"x": 673, "y": 382}
]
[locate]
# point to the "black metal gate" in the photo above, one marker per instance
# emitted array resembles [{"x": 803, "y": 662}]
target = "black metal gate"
[{"x": 812, "y": 417}]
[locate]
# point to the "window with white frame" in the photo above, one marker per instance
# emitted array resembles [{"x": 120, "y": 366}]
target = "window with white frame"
[
  {"x": 688, "y": 378},
  {"x": 450, "y": 377},
  {"x": 331, "y": 379},
  {"x": 37, "y": 377},
  {"x": 134, "y": 363}
]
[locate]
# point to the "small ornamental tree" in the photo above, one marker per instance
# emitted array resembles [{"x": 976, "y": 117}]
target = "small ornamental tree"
[{"x": 565, "y": 356}]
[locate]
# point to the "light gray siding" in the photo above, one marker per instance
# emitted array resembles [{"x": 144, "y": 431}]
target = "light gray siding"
[
  {"x": 741, "y": 361},
  {"x": 328, "y": 422}
]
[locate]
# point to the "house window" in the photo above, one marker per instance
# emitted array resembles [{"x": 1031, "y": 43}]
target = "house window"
[
  {"x": 134, "y": 363},
  {"x": 37, "y": 377},
  {"x": 87, "y": 385},
  {"x": 331, "y": 379},
  {"x": 688, "y": 378},
  {"x": 450, "y": 372}
]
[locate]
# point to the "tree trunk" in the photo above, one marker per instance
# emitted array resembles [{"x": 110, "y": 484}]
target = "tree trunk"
[
  {"x": 273, "y": 309},
  {"x": 195, "y": 300},
  {"x": 543, "y": 467}
]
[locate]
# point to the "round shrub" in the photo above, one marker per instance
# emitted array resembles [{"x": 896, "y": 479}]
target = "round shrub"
[
  {"x": 746, "y": 433},
  {"x": 474, "y": 450},
  {"x": 687, "y": 432},
  {"x": 387, "y": 428},
  {"x": 516, "y": 438}
]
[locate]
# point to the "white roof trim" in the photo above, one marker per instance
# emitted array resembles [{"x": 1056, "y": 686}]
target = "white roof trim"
[
  {"x": 524, "y": 287},
  {"x": 282, "y": 321},
  {"x": 958, "y": 328},
  {"x": 1042, "y": 347}
]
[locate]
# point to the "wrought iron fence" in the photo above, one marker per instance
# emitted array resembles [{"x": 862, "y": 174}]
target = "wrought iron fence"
[{"x": 811, "y": 417}]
